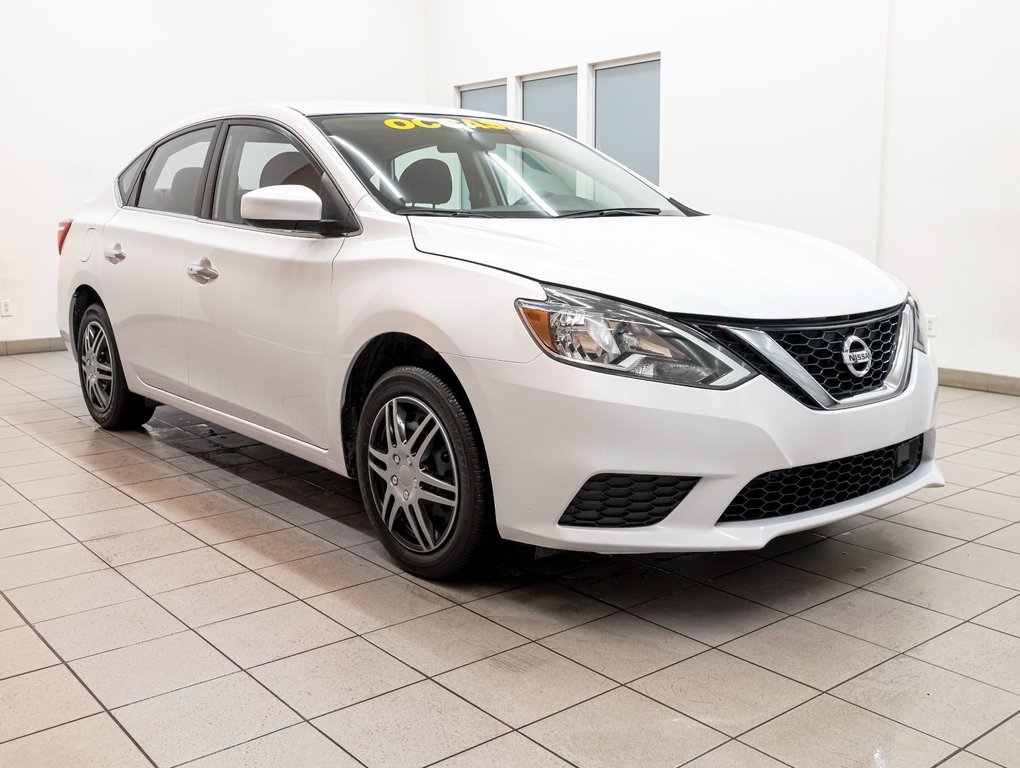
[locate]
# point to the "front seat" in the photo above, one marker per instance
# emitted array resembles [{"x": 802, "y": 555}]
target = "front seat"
[{"x": 426, "y": 181}]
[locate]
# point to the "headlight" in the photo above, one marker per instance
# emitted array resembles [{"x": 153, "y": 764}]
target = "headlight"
[
  {"x": 920, "y": 325},
  {"x": 598, "y": 333}
]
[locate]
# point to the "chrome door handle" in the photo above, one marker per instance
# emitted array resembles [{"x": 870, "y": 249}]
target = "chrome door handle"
[
  {"x": 202, "y": 272},
  {"x": 115, "y": 254}
]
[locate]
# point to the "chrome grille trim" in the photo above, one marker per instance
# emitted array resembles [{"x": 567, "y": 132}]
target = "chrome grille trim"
[{"x": 895, "y": 381}]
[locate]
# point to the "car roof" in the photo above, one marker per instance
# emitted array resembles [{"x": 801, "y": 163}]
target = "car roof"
[
  {"x": 375, "y": 107},
  {"x": 284, "y": 109}
]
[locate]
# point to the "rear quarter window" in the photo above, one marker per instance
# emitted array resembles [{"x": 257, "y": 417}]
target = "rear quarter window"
[{"x": 127, "y": 179}]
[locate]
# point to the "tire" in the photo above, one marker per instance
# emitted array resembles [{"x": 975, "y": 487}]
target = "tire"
[
  {"x": 428, "y": 493},
  {"x": 110, "y": 403}
]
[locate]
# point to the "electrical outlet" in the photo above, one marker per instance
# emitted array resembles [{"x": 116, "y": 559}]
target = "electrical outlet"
[
  {"x": 6, "y": 308},
  {"x": 932, "y": 324}
]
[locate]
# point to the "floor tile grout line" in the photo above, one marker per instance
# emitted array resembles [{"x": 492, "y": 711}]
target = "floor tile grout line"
[
  {"x": 25, "y": 672},
  {"x": 1005, "y": 523},
  {"x": 743, "y": 744},
  {"x": 816, "y": 692},
  {"x": 897, "y": 653},
  {"x": 972, "y": 742},
  {"x": 77, "y": 677},
  {"x": 971, "y": 620},
  {"x": 864, "y": 588},
  {"x": 242, "y": 670},
  {"x": 709, "y": 647},
  {"x": 928, "y": 563},
  {"x": 906, "y": 654},
  {"x": 949, "y": 757},
  {"x": 496, "y": 738}
]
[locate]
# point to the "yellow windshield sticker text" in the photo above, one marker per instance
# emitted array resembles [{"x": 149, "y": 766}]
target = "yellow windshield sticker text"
[{"x": 471, "y": 123}]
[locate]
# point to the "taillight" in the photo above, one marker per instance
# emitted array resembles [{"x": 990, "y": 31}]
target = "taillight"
[{"x": 62, "y": 229}]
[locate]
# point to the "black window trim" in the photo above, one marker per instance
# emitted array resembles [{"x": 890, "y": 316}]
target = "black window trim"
[
  {"x": 216, "y": 157},
  {"x": 136, "y": 187}
]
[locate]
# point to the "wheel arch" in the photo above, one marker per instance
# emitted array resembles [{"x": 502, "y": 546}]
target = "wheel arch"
[
  {"x": 82, "y": 298},
  {"x": 380, "y": 354}
]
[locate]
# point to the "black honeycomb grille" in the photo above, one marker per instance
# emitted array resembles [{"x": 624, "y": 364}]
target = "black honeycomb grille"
[
  {"x": 818, "y": 346},
  {"x": 820, "y": 351},
  {"x": 813, "y": 486},
  {"x": 626, "y": 501}
]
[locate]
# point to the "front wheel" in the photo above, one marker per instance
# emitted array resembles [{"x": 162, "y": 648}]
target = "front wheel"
[
  {"x": 423, "y": 474},
  {"x": 110, "y": 403}
]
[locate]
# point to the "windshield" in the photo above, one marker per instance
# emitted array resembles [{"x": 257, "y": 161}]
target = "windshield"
[{"x": 471, "y": 166}]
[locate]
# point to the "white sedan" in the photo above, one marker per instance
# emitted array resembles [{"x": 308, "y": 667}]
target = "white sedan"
[{"x": 498, "y": 331}]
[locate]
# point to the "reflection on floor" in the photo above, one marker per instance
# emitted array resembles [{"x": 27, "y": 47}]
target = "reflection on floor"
[{"x": 182, "y": 593}]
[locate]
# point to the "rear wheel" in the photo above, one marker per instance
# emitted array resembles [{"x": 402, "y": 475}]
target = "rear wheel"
[
  {"x": 110, "y": 403},
  {"x": 423, "y": 475}
]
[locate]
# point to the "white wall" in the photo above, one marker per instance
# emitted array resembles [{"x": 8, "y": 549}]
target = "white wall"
[
  {"x": 888, "y": 126},
  {"x": 951, "y": 183},
  {"x": 786, "y": 112},
  {"x": 88, "y": 85}
]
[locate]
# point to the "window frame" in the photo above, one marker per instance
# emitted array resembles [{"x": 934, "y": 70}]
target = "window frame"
[
  {"x": 136, "y": 187},
  {"x": 216, "y": 158}
]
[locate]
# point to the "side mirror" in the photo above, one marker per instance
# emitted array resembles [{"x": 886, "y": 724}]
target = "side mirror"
[{"x": 281, "y": 205}]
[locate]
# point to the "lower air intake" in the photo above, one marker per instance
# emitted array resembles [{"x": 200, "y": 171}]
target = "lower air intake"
[
  {"x": 626, "y": 501},
  {"x": 801, "y": 489}
]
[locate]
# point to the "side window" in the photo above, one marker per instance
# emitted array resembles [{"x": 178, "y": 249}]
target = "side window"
[
  {"x": 127, "y": 179},
  {"x": 171, "y": 178},
  {"x": 255, "y": 157}
]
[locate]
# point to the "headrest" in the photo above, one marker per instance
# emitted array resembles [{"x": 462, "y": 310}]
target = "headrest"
[
  {"x": 184, "y": 179},
  {"x": 184, "y": 190},
  {"x": 426, "y": 181},
  {"x": 281, "y": 167}
]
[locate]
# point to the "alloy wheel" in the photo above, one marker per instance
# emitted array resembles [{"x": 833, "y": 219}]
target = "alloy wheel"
[
  {"x": 414, "y": 474},
  {"x": 97, "y": 366}
]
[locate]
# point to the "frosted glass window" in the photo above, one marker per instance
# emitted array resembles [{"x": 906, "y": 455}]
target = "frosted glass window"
[
  {"x": 552, "y": 101},
  {"x": 489, "y": 99},
  {"x": 627, "y": 116}
]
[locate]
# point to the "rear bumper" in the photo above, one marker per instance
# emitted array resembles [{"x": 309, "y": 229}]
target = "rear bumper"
[{"x": 549, "y": 427}]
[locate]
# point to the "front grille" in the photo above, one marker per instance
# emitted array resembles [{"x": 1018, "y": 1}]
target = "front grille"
[
  {"x": 818, "y": 346},
  {"x": 820, "y": 352},
  {"x": 801, "y": 489},
  {"x": 626, "y": 501}
]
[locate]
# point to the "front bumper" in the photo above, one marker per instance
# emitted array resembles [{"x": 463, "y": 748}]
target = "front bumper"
[{"x": 548, "y": 427}]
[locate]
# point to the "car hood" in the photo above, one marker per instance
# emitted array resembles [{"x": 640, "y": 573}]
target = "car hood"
[{"x": 703, "y": 265}]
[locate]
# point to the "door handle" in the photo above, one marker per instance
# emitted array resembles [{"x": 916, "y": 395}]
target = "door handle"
[
  {"x": 115, "y": 254},
  {"x": 202, "y": 272}
]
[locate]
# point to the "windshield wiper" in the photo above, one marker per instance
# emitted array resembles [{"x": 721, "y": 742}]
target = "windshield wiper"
[
  {"x": 610, "y": 212},
  {"x": 441, "y": 212}
]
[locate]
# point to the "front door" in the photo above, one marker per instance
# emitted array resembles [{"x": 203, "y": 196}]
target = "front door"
[{"x": 256, "y": 309}]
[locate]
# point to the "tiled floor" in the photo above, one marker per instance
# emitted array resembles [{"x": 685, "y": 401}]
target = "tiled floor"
[{"x": 184, "y": 595}]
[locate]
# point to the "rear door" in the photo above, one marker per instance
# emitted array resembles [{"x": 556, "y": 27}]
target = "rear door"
[
  {"x": 255, "y": 331},
  {"x": 144, "y": 249}
]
